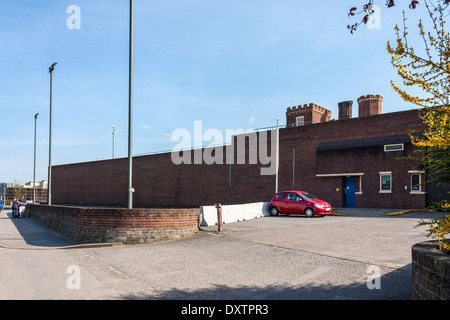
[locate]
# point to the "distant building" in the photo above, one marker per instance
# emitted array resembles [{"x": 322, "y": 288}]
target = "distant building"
[
  {"x": 30, "y": 184},
  {"x": 40, "y": 185},
  {"x": 26, "y": 190},
  {"x": 43, "y": 184}
]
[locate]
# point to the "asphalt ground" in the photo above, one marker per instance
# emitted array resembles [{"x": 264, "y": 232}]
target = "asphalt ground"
[{"x": 360, "y": 254}]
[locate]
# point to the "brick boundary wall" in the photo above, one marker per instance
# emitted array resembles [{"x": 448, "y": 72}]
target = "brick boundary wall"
[
  {"x": 111, "y": 225},
  {"x": 158, "y": 181},
  {"x": 430, "y": 272}
]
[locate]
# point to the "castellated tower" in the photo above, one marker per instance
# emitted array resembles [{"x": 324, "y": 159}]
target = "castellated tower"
[
  {"x": 369, "y": 105},
  {"x": 306, "y": 114}
]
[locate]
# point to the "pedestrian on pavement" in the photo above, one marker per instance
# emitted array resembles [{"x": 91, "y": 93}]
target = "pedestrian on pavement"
[
  {"x": 22, "y": 204},
  {"x": 15, "y": 208},
  {"x": 2, "y": 206}
]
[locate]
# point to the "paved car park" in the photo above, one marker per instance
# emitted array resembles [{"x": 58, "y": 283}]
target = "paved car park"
[{"x": 359, "y": 254}]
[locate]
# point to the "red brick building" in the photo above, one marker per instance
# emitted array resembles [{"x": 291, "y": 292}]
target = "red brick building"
[{"x": 352, "y": 161}]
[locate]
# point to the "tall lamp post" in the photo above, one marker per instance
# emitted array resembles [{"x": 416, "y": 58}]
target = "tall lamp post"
[
  {"x": 277, "y": 158},
  {"x": 34, "y": 168},
  {"x": 130, "y": 112},
  {"x": 49, "y": 190}
]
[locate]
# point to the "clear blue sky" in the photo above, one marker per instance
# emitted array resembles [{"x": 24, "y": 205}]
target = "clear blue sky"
[{"x": 234, "y": 64}]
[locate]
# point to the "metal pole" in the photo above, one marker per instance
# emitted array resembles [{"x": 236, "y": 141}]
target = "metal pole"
[
  {"x": 229, "y": 177},
  {"x": 293, "y": 167},
  {"x": 34, "y": 168},
  {"x": 113, "y": 142},
  {"x": 130, "y": 112},
  {"x": 219, "y": 217},
  {"x": 49, "y": 190},
  {"x": 277, "y": 158}
]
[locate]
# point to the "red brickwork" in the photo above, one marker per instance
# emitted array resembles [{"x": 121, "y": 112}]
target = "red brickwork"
[
  {"x": 98, "y": 225},
  {"x": 369, "y": 105},
  {"x": 430, "y": 272},
  {"x": 159, "y": 182},
  {"x": 312, "y": 113},
  {"x": 345, "y": 110}
]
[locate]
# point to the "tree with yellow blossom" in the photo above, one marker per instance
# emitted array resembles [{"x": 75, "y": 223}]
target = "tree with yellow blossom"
[{"x": 430, "y": 72}]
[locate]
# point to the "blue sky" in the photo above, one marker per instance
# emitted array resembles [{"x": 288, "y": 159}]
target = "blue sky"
[{"x": 234, "y": 64}]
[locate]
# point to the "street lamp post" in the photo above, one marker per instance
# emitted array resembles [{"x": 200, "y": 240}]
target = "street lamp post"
[
  {"x": 49, "y": 190},
  {"x": 130, "y": 111},
  {"x": 277, "y": 158},
  {"x": 34, "y": 168}
]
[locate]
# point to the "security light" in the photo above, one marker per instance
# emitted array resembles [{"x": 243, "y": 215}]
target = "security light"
[{"x": 52, "y": 67}]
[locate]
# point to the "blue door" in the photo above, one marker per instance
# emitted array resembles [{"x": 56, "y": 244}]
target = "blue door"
[{"x": 350, "y": 190}]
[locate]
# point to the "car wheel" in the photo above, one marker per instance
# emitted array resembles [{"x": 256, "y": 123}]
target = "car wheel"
[
  {"x": 274, "y": 211},
  {"x": 309, "y": 212}
]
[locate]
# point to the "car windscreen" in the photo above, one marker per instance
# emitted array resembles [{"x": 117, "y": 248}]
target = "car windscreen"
[{"x": 308, "y": 196}]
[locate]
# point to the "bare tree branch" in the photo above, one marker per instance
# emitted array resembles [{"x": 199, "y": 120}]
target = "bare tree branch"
[{"x": 367, "y": 10}]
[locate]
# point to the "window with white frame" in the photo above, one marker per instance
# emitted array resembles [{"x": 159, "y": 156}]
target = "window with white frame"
[
  {"x": 300, "y": 121},
  {"x": 386, "y": 182},
  {"x": 394, "y": 147},
  {"x": 416, "y": 181}
]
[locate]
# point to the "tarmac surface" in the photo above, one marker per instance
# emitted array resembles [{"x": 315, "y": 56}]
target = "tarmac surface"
[{"x": 357, "y": 254}]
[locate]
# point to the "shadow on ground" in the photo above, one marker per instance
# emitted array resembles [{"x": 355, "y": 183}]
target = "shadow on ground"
[
  {"x": 395, "y": 285},
  {"x": 34, "y": 233}
]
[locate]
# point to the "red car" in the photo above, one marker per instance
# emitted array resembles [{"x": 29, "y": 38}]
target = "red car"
[{"x": 298, "y": 202}]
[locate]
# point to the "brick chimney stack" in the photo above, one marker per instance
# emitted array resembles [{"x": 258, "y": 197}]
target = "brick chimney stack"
[
  {"x": 345, "y": 109},
  {"x": 369, "y": 105}
]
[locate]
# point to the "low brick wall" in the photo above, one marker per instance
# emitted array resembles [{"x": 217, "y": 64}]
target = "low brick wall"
[
  {"x": 110, "y": 225},
  {"x": 430, "y": 272}
]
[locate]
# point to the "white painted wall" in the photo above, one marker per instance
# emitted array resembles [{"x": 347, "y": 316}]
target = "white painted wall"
[{"x": 234, "y": 213}]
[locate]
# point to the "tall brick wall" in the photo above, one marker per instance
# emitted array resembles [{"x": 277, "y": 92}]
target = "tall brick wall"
[{"x": 159, "y": 182}]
